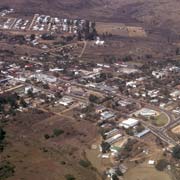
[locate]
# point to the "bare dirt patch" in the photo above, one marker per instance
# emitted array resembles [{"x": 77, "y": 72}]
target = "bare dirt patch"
[
  {"x": 176, "y": 130},
  {"x": 136, "y": 31}
]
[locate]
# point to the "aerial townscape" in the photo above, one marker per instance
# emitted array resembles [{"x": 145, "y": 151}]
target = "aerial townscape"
[{"x": 89, "y": 90}]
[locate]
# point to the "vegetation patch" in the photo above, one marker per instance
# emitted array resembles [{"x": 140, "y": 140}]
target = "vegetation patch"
[
  {"x": 84, "y": 163},
  {"x": 160, "y": 120},
  {"x": 6, "y": 170},
  {"x": 69, "y": 177},
  {"x": 161, "y": 164}
]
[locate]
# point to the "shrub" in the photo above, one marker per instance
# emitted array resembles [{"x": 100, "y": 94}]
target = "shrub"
[
  {"x": 57, "y": 132},
  {"x": 69, "y": 177},
  {"x": 176, "y": 152},
  {"x": 46, "y": 136},
  {"x": 6, "y": 170},
  {"x": 161, "y": 164},
  {"x": 84, "y": 163}
]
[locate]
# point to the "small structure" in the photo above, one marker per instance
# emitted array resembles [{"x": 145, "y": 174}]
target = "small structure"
[
  {"x": 99, "y": 42},
  {"x": 151, "y": 162}
]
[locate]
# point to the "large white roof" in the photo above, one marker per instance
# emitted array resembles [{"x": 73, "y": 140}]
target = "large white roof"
[{"x": 130, "y": 122}]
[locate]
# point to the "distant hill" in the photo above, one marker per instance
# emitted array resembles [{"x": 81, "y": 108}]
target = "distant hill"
[{"x": 164, "y": 13}]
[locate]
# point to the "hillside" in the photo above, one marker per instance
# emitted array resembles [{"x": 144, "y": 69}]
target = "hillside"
[{"x": 152, "y": 12}]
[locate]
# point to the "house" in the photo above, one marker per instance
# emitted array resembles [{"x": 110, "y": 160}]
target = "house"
[{"x": 130, "y": 122}]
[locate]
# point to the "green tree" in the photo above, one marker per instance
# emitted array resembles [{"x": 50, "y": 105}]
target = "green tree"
[
  {"x": 69, "y": 177},
  {"x": 46, "y": 136},
  {"x": 2, "y": 135},
  {"x": 6, "y": 170},
  {"x": 176, "y": 152},
  {"x": 57, "y": 132},
  {"x": 30, "y": 92},
  {"x": 115, "y": 177},
  {"x": 161, "y": 164},
  {"x": 93, "y": 98},
  {"x": 84, "y": 163},
  {"x": 105, "y": 147},
  {"x": 23, "y": 103}
]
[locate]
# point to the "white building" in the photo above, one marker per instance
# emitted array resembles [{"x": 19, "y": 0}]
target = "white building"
[
  {"x": 66, "y": 101},
  {"x": 147, "y": 112},
  {"x": 130, "y": 122}
]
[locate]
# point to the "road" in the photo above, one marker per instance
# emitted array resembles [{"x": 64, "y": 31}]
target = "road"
[{"x": 84, "y": 48}]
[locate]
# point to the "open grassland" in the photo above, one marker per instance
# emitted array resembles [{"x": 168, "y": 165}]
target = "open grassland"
[
  {"x": 46, "y": 146},
  {"x": 145, "y": 173}
]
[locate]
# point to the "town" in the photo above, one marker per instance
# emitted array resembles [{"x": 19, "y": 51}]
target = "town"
[{"x": 120, "y": 110}]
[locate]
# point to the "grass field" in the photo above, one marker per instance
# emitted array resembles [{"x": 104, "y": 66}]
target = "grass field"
[
  {"x": 145, "y": 173},
  {"x": 160, "y": 120}
]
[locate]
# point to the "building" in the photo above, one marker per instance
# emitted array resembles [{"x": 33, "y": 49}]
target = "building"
[
  {"x": 114, "y": 139},
  {"x": 175, "y": 94},
  {"x": 130, "y": 122},
  {"x": 147, "y": 112},
  {"x": 143, "y": 133},
  {"x": 107, "y": 115},
  {"x": 66, "y": 101}
]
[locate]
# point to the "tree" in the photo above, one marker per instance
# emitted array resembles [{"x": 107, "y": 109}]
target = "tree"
[
  {"x": 32, "y": 37},
  {"x": 58, "y": 94},
  {"x": 115, "y": 177},
  {"x": 140, "y": 128},
  {"x": 30, "y": 92},
  {"x": 57, "y": 132},
  {"x": 45, "y": 86},
  {"x": 6, "y": 170},
  {"x": 84, "y": 163},
  {"x": 2, "y": 135},
  {"x": 105, "y": 147},
  {"x": 23, "y": 103},
  {"x": 161, "y": 164},
  {"x": 46, "y": 136},
  {"x": 12, "y": 101},
  {"x": 177, "y": 51},
  {"x": 93, "y": 98},
  {"x": 130, "y": 131},
  {"x": 69, "y": 177},
  {"x": 1, "y": 108},
  {"x": 176, "y": 152}
]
